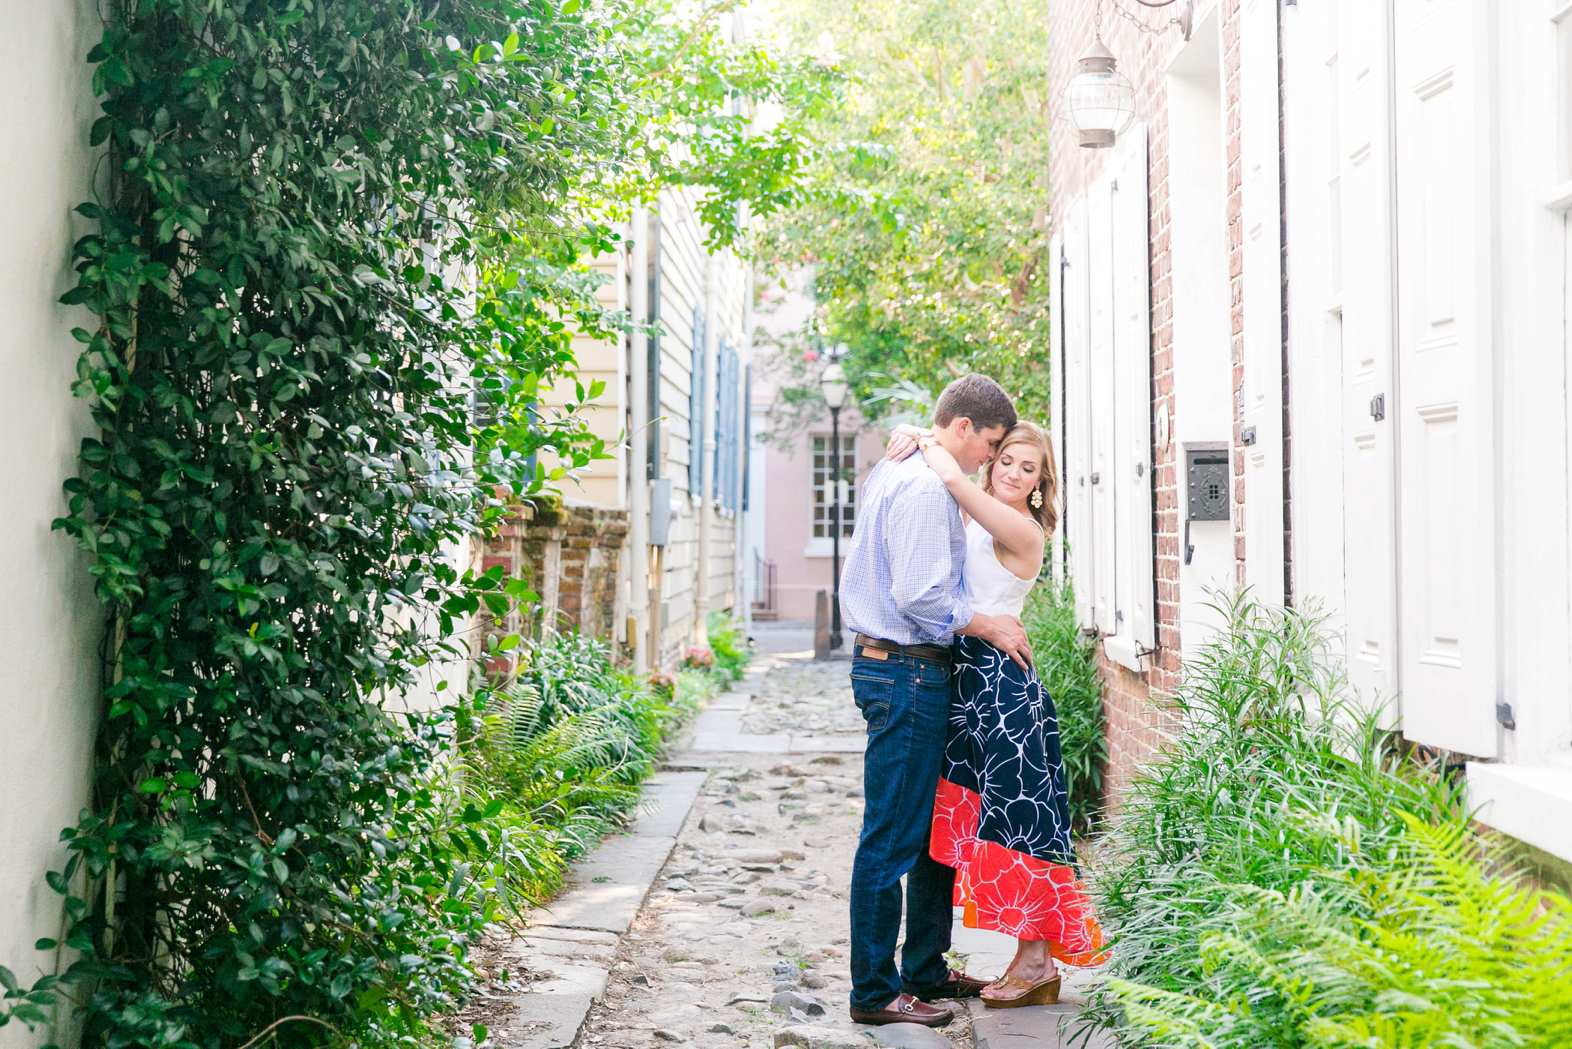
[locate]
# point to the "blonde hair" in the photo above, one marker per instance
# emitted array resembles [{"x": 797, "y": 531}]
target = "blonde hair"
[{"x": 1031, "y": 434}]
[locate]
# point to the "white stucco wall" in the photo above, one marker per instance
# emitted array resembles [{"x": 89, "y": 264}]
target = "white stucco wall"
[{"x": 49, "y": 620}]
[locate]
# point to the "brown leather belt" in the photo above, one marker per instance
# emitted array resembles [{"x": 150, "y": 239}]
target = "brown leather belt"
[{"x": 932, "y": 653}]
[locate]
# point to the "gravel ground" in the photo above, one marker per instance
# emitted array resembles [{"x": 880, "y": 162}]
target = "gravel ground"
[
  {"x": 802, "y": 696},
  {"x": 746, "y": 931}
]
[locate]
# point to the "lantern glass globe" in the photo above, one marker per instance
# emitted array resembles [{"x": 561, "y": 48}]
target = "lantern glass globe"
[
  {"x": 1100, "y": 100},
  {"x": 832, "y": 383}
]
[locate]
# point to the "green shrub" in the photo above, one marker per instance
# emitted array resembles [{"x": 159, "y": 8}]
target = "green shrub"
[
  {"x": 1275, "y": 783},
  {"x": 1067, "y": 664},
  {"x": 732, "y": 650},
  {"x": 1415, "y": 947},
  {"x": 570, "y": 673}
]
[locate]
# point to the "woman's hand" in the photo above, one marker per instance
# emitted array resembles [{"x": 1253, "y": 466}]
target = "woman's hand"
[{"x": 903, "y": 442}]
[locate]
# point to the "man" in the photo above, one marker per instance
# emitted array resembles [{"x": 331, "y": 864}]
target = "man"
[{"x": 901, "y": 593}]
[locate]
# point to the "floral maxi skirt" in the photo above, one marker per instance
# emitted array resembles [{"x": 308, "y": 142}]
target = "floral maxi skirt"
[{"x": 1002, "y": 817}]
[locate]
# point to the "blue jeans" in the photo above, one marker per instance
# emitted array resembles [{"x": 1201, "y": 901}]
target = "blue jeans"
[{"x": 906, "y": 702}]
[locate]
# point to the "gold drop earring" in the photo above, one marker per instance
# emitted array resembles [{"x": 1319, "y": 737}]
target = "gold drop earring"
[{"x": 1037, "y": 498}]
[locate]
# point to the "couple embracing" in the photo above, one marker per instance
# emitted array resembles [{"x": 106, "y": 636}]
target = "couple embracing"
[{"x": 964, "y": 781}]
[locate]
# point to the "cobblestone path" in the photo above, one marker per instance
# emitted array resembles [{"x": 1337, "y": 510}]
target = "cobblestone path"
[{"x": 742, "y": 940}]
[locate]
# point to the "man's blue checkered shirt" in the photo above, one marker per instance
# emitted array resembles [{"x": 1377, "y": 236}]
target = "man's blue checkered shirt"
[{"x": 902, "y": 580}]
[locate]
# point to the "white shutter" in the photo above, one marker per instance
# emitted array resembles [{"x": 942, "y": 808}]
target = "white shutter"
[
  {"x": 1056, "y": 391},
  {"x": 1444, "y": 404},
  {"x": 1132, "y": 398},
  {"x": 1261, "y": 216},
  {"x": 1364, "y": 173},
  {"x": 1077, "y": 468},
  {"x": 1101, "y": 461}
]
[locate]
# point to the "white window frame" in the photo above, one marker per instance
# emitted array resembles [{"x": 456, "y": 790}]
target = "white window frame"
[{"x": 823, "y": 545}]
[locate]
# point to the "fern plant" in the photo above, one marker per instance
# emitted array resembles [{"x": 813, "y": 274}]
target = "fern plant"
[
  {"x": 1420, "y": 947},
  {"x": 554, "y": 759}
]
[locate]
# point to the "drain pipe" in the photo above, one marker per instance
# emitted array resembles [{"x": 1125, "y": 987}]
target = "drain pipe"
[{"x": 638, "y": 442}]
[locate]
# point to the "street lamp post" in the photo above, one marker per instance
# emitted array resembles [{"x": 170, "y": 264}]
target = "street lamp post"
[{"x": 832, "y": 383}]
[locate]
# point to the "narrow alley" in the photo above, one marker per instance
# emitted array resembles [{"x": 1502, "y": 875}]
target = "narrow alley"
[{"x": 741, "y": 940}]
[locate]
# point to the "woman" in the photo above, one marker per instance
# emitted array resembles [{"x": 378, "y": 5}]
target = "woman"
[{"x": 1001, "y": 818}]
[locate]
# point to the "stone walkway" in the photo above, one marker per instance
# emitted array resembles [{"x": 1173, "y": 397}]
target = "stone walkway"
[{"x": 740, "y": 941}]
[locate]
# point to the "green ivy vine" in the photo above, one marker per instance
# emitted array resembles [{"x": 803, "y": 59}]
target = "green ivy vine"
[
  {"x": 281, "y": 376},
  {"x": 337, "y": 255},
  {"x": 300, "y": 199}
]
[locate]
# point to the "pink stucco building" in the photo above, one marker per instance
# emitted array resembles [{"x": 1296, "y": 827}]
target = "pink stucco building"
[{"x": 789, "y": 538}]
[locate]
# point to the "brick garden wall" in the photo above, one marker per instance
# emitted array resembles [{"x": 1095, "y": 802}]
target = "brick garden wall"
[{"x": 572, "y": 556}]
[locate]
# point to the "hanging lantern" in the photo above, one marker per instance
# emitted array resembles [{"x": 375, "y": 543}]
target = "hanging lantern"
[{"x": 1101, "y": 101}]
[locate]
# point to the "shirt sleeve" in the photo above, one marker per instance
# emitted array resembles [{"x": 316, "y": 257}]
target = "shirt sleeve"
[{"x": 923, "y": 573}]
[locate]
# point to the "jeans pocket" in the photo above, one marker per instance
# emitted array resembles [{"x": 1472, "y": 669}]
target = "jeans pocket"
[{"x": 872, "y": 694}]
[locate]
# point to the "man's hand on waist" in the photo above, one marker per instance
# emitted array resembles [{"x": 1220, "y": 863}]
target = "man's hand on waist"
[{"x": 1004, "y": 633}]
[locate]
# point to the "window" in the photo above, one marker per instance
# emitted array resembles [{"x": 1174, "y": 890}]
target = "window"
[
  {"x": 824, "y": 494},
  {"x": 1108, "y": 410}
]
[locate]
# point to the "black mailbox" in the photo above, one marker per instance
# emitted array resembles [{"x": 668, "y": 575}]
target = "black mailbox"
[{"x": 1207, "y": 473}]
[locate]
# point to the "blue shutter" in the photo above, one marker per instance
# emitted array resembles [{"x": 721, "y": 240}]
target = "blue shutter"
[
  {"x": 696, "y": 406},
  {"x": 746, "y": 408},
  {"x": 720, "y": 424},
  {"x": 727, "y": 429}
]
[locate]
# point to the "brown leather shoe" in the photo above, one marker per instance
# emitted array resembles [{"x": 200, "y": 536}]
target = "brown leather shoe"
[
  {"x": 905, "y": 1010},
  {"x": 956, "y": 985}
]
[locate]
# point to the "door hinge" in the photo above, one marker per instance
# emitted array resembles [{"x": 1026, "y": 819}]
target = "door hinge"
[
  {"x": 1097, "y": 478},
  {"x": 1247, "y": 435},
  {"x": 1378, "y": 407},
  {"x": 1504, "y": 717}
]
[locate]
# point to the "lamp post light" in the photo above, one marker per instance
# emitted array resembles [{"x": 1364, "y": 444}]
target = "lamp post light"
[{"x": 832, "y": 383}]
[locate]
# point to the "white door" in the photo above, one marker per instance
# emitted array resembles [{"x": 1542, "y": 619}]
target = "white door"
[
  {"x": 1444, "y": 416},
  {"x": 1364, "y": 158}
]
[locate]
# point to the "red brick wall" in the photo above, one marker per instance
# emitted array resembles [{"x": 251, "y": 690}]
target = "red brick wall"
[
  {"x": 1133, "y": 718},
  {"x": 1229, "y": 10},
  {"x": 585, "y": 545}
]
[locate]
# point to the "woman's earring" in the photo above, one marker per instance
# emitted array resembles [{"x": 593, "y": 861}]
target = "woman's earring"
[{"x": 1037, "y": 498}]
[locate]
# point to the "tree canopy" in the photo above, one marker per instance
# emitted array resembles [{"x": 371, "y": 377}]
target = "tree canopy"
[{"x": 928, "y": 249}]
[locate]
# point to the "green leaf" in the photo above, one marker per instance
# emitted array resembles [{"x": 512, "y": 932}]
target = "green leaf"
[{"x": 153, "y": 785}]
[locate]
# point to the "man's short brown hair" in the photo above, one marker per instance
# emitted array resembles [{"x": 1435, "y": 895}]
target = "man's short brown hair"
[{"x": 978, "y": 398}]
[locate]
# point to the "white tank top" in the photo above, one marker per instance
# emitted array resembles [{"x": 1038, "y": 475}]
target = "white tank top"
[{"x": 991, "y": 588}]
